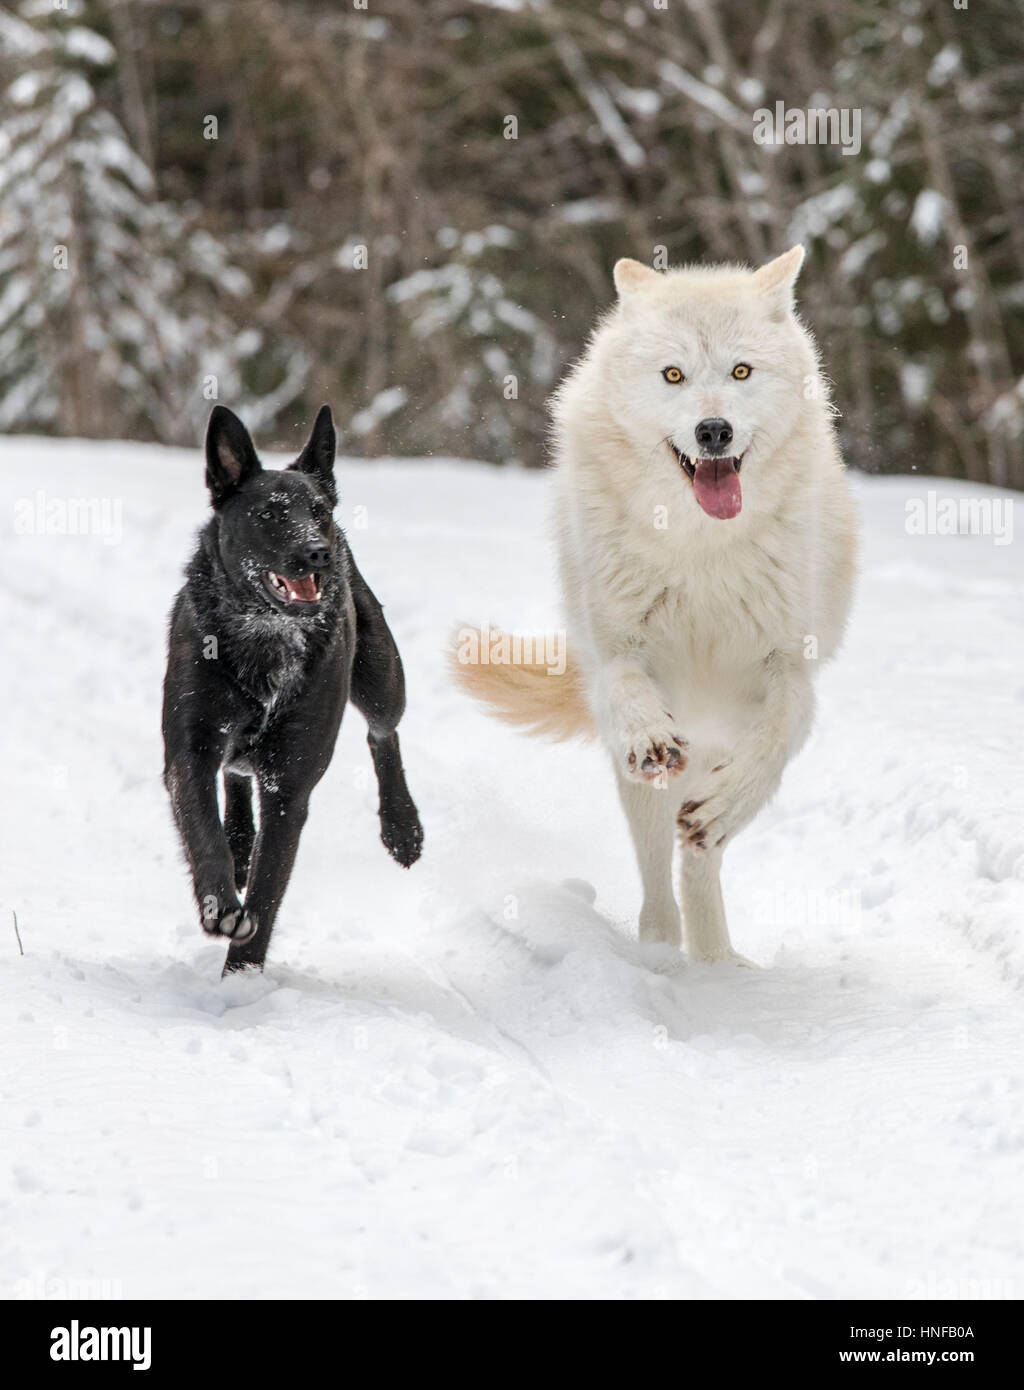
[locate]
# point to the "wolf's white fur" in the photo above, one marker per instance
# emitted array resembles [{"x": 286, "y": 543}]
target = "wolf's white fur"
[{"x": 690, "y": 632}]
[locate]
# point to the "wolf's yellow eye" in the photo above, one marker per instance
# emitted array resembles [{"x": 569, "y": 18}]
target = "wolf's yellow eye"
[
  {"x": 673, "y": 376},
  {"x": 741, "y": 371}
]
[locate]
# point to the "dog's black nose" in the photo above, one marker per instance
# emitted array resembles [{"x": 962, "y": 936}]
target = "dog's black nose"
[
  {"x": 318, "y": 557},
  {"x": 714, "y": 436}
]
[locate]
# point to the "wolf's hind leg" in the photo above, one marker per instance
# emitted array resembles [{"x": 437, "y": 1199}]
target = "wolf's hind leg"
[
  {"x": 650, "y": 811},
  {"x": 238, "y": 823}
]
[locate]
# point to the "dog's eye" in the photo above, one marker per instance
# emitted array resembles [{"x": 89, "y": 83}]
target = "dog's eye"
[
  {"x": 741, "y": 371},
  {"x": 267, "y": 515},
  {"x": 673, "y": 375}
]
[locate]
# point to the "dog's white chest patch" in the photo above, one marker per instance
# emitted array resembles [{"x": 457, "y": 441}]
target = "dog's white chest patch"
[{"x": 273, "y": 652}]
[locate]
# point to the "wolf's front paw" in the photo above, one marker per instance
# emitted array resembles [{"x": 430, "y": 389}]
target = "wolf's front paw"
[
  {"x": 654, "y": 757},
  {"x": 229, "y": 920}
]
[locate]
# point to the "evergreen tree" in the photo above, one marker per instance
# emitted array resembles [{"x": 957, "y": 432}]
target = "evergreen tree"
[{"x": 112, "y": 308}]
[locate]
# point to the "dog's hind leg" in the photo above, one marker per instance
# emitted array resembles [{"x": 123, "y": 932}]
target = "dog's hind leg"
[
  {"x": 651, "y": 811},
  {"x": 238, "y": 823},
  {"x": 707, "y": 935},
  {"x": 378, "y": 692}
]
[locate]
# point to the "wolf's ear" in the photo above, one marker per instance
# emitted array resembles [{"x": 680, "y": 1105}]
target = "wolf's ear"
[
  {"x": 630, "y": 275},
  {"x": 776, "y": 280},
  {"x": 317, "y": 458},
  {"x": 230, "y": 455}
]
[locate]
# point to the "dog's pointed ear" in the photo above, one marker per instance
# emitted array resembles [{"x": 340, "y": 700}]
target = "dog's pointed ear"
[
  {"x": 230, "y": 454},
  {"x": 776, "y": 280},
  {"x": 630, "y": 275},
  {"x": 317, "y": 458}
]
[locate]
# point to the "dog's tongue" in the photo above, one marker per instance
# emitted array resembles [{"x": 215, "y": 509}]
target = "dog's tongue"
[
  {"x": 304, "y": 588},
  {"x": 717, "y": 487}
]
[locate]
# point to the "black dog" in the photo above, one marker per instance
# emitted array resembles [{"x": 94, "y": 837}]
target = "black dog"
[{"x": 273, "y": 631}]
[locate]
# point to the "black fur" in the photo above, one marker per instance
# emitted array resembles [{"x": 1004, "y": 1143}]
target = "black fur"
[{"x": 258, "y": 677}]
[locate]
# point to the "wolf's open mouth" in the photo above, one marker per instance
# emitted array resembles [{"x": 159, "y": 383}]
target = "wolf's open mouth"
[
  {"x": 304, "y": 590},
  {"x": 716, "y": 483}
]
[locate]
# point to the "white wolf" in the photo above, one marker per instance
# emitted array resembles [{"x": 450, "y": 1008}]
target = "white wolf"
[{"x": 708, "y": 546}]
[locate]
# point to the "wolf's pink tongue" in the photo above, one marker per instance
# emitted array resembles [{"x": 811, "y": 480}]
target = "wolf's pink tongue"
[
  {"x": 304, "y": 589},
  {"x": 717, "y": 486}
]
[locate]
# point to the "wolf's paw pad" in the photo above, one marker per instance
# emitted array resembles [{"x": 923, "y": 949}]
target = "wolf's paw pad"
[
  {"x": 402, "y": 837},
  {"x": 654, "y": 758},
  {"x": 235, "y": 925}
]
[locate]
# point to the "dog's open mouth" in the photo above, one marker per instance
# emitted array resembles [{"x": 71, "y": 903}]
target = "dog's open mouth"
[
  {"x": 716, "y": 483},
  {"x": 306, "y": 589}
]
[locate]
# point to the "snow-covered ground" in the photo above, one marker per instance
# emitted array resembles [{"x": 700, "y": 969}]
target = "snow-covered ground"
[{"x": 469, "y": 1080}]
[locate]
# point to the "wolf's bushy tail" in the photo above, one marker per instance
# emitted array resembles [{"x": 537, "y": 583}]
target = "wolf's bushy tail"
[{"x": 542, "y": 701}]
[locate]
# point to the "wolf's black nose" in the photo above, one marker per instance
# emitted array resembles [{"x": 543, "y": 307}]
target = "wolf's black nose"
[
  {"x": 318, "y": 557},
  {"x": 714, "y": 435}
]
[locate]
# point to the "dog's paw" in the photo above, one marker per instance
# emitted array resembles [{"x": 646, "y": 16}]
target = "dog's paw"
[
  {"x": 231, "y": 922},
  {"x": 402, "y": 836},
  {"x": 654, "y": 757}
]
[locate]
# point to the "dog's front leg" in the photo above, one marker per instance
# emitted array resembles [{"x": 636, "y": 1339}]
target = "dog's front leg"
[
  {"x": 735, "y": 790},
  {"x": 283, "y": 813},
  {"x": 378, "y": 692},
  {"x": 191, "y": 780}
]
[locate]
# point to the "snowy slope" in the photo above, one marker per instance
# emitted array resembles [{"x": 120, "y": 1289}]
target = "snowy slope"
[{"x": 469, "y": 1080}]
